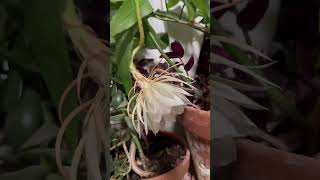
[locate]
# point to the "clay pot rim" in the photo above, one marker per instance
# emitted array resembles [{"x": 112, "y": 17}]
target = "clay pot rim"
[
  {"x": 185, "y": 162},
  {"x": 197, "y": 128},
  {"x": 183, "y": 166}
]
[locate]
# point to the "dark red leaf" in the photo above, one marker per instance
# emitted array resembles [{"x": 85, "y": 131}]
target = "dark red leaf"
[
  {"x": 251, "y": 15},
  {"x": 189, "y": 65},
  {"x": 177, "y": 49},
  {"x": 171, "y": 55}
]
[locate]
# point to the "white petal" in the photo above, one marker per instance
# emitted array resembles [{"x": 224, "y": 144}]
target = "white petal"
[
  {"x": 177, "y": 109},
  {"x": 169, "y": 117},
  {"x": 163, "y": 95},
  {"x": 146, "y": 121}
]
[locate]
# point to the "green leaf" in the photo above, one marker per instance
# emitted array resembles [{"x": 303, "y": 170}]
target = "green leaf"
[
  {"x": 44, "y": 134},
  {"x": 44, "y": 33},
  {"x": 54, "y": 177},
  {"x": 221, "y": 60},
  {"x": 191, "y": 10},
  {"x": 242, "y": 58},
  {"x": 115, "y": 1},
  {"x": 29, "y": 173},
  {"x": 172, "y": 3},
  {"x": 125, "y": 17},
  {"x": 123, "y": 57},
  {"x": 155, "y": 39},
  {"x": 20, "y": 58},
  {"x": 25, "y": 119},
  {"x": 162, "y": 39},
  {"x": 129, "y": 123},
  {"x": 231, "y": 94},
  {"x": 33, "y": 153},
  {"x": 203, "y": 6},
  {"x": 117, "y": 99},
  {"x": 19, "y": 54},
  {"x": 118, "y": 117},
  {"x": 11, "y": 91},
  {"x": 165, "y": 39}
]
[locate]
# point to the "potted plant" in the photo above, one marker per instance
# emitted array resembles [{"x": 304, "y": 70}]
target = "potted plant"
[
  {"x": 146, "y": 94},
  {"x": 197, "y": 125}
]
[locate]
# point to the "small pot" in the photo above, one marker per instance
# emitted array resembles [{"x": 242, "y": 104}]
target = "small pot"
[
  {"x": 182, "y": 169},
  {"x": 197, "y": 125}
]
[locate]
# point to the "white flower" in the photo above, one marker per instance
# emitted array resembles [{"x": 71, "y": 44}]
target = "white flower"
[{"x": 160, "y": 99}]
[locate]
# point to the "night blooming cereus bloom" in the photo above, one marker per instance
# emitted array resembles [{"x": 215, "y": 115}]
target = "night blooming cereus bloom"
[{"x": 161, "y": 97}]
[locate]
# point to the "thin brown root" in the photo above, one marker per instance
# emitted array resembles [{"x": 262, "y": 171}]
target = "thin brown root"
[
  {"x": 135, "y": 168},
  {"x": 79, "y": 79},
  {"x": 76, "y": 159},
  {"x": 65, "y": 94},
  {"x": 62, "y": 129},
  {"x": 166, "y": 71},
  {"x": 117, "y": 145},
  {"x": 99, "y": 114},
  {"x": 128, "y": 156},
  {"x": 88, "y": 116}
]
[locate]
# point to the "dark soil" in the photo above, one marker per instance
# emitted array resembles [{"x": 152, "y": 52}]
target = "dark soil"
[{"x": 164, "y": 153}]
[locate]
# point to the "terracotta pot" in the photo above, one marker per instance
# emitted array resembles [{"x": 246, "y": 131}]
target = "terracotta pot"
[
  {"x": 258, "y": 162},
  {"x": 182, "y": 169},
  {"x": 197, "y": 125}
]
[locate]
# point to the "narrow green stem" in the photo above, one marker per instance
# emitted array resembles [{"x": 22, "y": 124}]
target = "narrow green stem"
[
  {"x": 167, "y": 9},
  {"x": 163, "y": 53},
  {"x": 172, "y": 18},
  {"x": 180, "y": 15},
  {"x": 166, "y": 56},
  {"x": 139, "y": 148},
  {"x": 137, "y": 142},
  {"x": 141, "y": 33}
]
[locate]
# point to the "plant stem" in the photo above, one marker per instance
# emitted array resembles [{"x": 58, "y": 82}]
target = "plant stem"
[
  {"x": 167, "y": 9},
  {"x": 152, "y": 35},
  {"x": 171, "y": 18},
  {"x": 140, "y": 150},
  {"x": 138, "y": 144},
  {"x": 141, "y": 34},
  {"x": 163, "y": 53},
  {"x": 135, "y": 168},
  {"x": 180, "y": 15}
]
